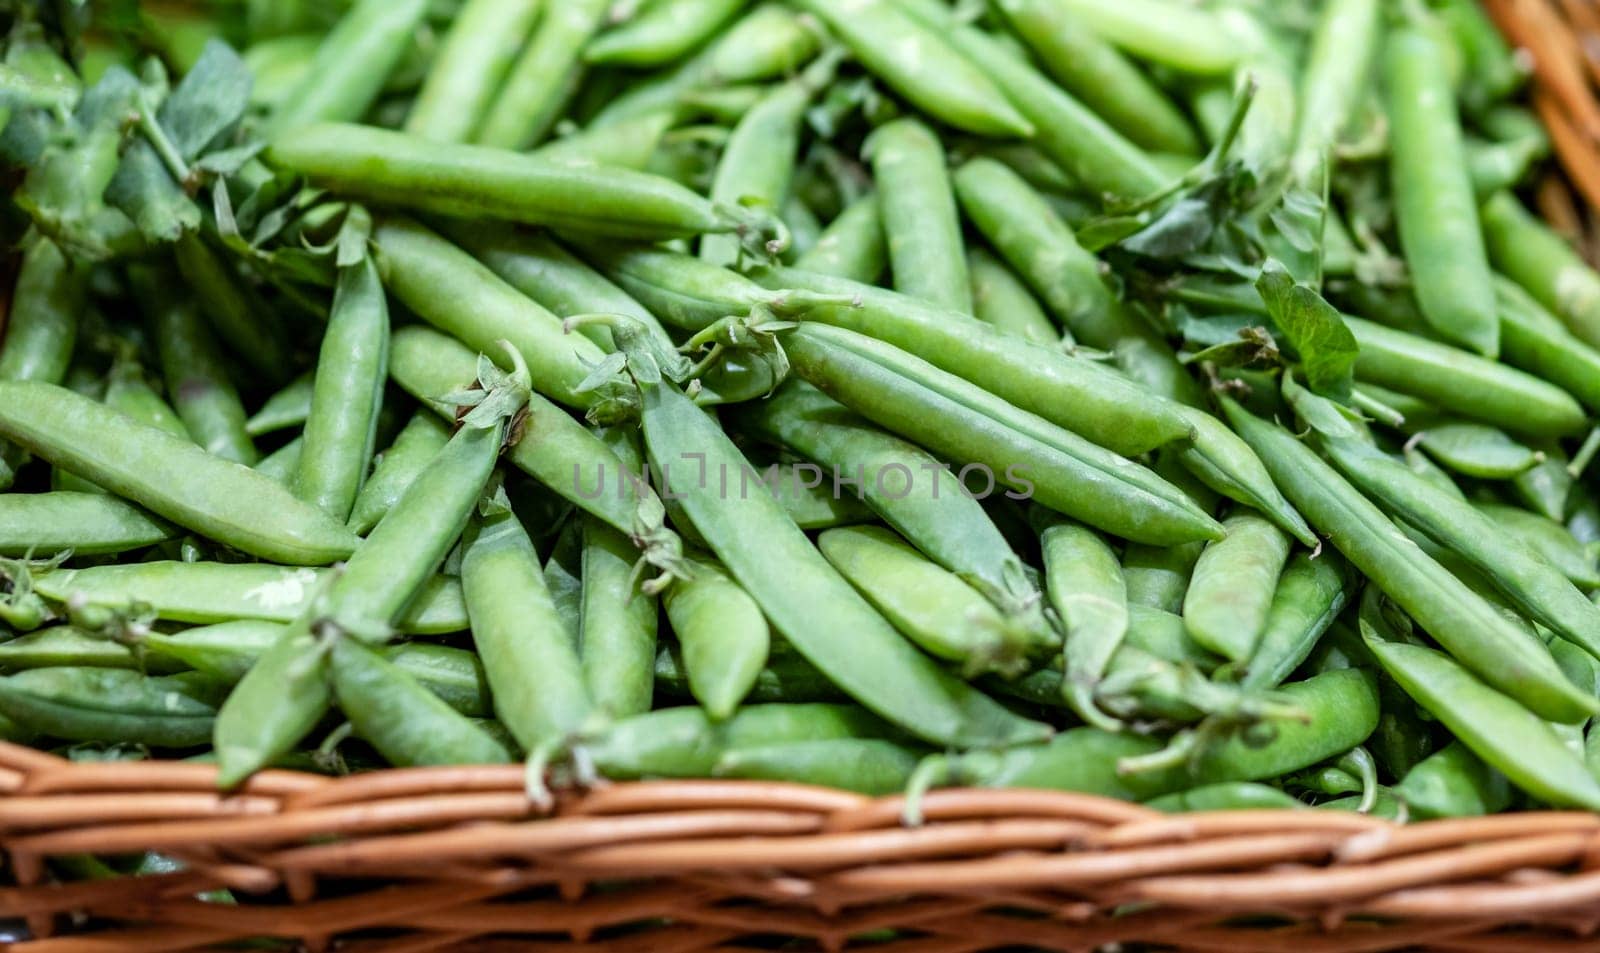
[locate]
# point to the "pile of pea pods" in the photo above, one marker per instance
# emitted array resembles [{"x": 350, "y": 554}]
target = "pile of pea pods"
[{"x": 1165, "y": 400}]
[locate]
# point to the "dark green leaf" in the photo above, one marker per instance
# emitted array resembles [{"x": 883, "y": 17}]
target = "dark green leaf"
[
  {"x": 1314, "y": 328},
  {"x": 208, "y": 104}
]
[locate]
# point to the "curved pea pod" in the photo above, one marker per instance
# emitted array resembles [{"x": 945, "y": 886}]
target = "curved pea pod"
[
  {"x": 1340, "y": 711},
  {"x": 1338, "y": 64},
  {"x": 873, "y": 766},
  {"x": 999, "y": 298},
  {"x": 397, "y": 468},
  {"x": 463, "y": 298},
  {"x": 86, "y": 523},
  {"x": 396, "y": 169},
  {"x": 1227, "y": 465},
  {"x": 473, "y": 59},
  {"x": 408, "y": 724},
  {"x": 1504, "y": 734},
  {"x": 232, "y": 314},
  {"x": 852, "y": 245},
  {"x": 1462, "y": 621},
  {"x": 529, "y": 658},
  {"x": 1025, "y": 453},
  {"x": 1226, "y": 796},
  {"x": 351, "y": 64},
  {"x": 204, "y": 592},
  {"x": 1536, "y": 341},
  {"x": 169, "y": 476},
  {"x": 1310, "y": 594},
  {"x": 41, "y": 325},
  {"x": 1158, "y": 576},
  {"x": 1547, "y": 538},
  {"x": 1477, "y": 451},
  {"x": 1079, "y": 759},
  {"x": 686, "y": 743},
  {"x": 724, "y": 637},
  {"x": 353, "y": 365},
  {"x": 918, "y": 63},
  {"x": 543, "y": 78},
  {"x": 110, "y": 705},
  {"x": 806, "y": 600},
  {"x": 67, "y": 645},
  {"x": 1463, "y": 383},
  {"x": 1231, "y": 591},
  {"x": 285, "y": 409},
  {"x": 787, "y": 678},
  {"x": 1087, "y": 590},
  {"x": 927, "y": 254},
  {"x": 661, "y": 32},
  {"x": 617, "y": 627},
  {"x": 1533, "y": 255},
  {"x": 1522, "y": 572},
  {"x": 1453, "y": 782},
  {"x": 928, "y": 604}
]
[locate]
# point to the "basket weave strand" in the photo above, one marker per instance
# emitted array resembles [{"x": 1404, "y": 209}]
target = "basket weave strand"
[{"x": 459, "y": 859}]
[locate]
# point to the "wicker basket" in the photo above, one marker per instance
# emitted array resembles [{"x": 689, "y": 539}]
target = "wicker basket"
[{"x": 456, "y": 859}]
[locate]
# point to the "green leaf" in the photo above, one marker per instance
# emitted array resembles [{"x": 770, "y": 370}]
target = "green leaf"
[
  {"x": 207, "y": 105},
  {"x": 1252, "y": 347},
  {"x": 1314, "y": 328}
]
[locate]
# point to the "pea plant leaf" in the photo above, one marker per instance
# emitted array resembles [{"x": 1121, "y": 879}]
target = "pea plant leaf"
[{"x": 1313, "y": 328}]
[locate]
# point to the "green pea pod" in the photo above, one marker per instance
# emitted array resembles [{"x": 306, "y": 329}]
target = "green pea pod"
[
  {"x": 1158, "y": 576},
  {"x": 1090, "y": 68},
  {"x": 1310, "y": 595},
  {"x": 543, "y": 78},
  {"x": 724, "y": 637},
  {"x": 917, "y": 62},
  {"x": 1453, "y": 782},
  {"x": 455, "y": 675},
  {"x": 66, "y": 645},
  {"x": 1000, "y": 299},
  {"x": 815, "y": 505},
  {"x": 852, "y": 246},
  {"x": 1477, "y": 451},
  {"x": 1078, "y": 759},
  {"x": 1545, "y": 488},
  {"x": 687, "y": 743},
  {"x": 397, "y": 468},
  {"x": 342, "y": 425},
  {"x": 661, "y": 32},
  {"x": 1340, "y": 710},
  {"x": 1087, "y": 589},
  {"x": 933, "y": 512},
  {"x": 617, "y": 629},
  {"x": 872, "y": 766},
  {"x": 528, "y": 656},
  {"x": 1164, "y": 635},
  {"x": 1230, "y": 593},
  {"x": 472, "y": 61},
  {"x": 41, "y": 326},
  {"x": 280, "y": 465},
  {"x": 1533, "y": 255},
  {"x": 453, "y": 292},
  {"x": 1226, "y": 796},
  {"x": 1536, "y": 341},
  {"x": 1022, "y": 452},
  {"x": 628, "y": 144},
  {"x": 1461, "y": 620},
  {"x": 1549, "y": 539},
  {"x": 169, "y": 476},
  {"x": 1337, "y": 75},
  {"x": 397, "y": 169},
  {"x": 792, "y": 583},
  {"x": 285, "y": 409},
  {"x": 109, "y": 705},
  {"x": 196, "y": 377},
  {"x": 929, "y": 605},
  {"x": 409, "y": 725},
  {"x": 1463, "y": 383},
  {"x": 351, "y": 64},
  {"x": 234, "y": 317},
  {"x": 787, "y": 678},
  {"x": 86, "y": 523},
  {"x": 1496, "y": 728},
  {"x": 927, "y": 255}
]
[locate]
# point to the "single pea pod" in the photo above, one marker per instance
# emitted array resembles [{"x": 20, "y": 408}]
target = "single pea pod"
[
  {"x": 1226, "y": 796},
  {"x": 686, "y": 743},
  {"x": 1231, "y": 591},
  {"x": 1446, "y": 608},
  {"x": 543, "y": 78},
  {"x": 928, "y": 604},
  {"x": 351, "y": 65},
  {"x": 423, "y": 436},
  {"x": 1338, "y": 63},
  {"x": 1549, "y": 539},
  {"x": 473, "y": 58},
  {"x": 1536, "y": 341},
  {"x": 1086, "y": 588},
  {"x": 852, "y": 246},
  {"x": 617, "y": 627},
  {"x": 284, "y": 410},
  {"x": 1453, "y": 782},
  {"x": 1058, "y": 468},
  {"x": 723, "y": 636},
  {"x": 918, "y": 63},
  {"x": 206, "y": 592},
  {"x": 110, "y": 705},
  {"x": 661, "y": 32},
  {"x": 529, "y": 658},
  {"x": 1522, "y": 572},
  {"x": 67, "y": 645},
  {"x": 41, "y": 325},
  {"x": 409, "y": 725},
  {"x": 872, "y": 766},
  {"x": 1310, "y": 594},
  {"x": 396, "y": 169},
  {"x": 927, "y": 253},
  {"x": 87, "y": 523},
  {"x": 1000, "y": 299},
  {"x": 1078, "y": 759},
  {"x": 1534, "y": 256},
  {"x": 1496, "y": 728},
  {"x": 169, "y": 476},
  {"x": 1477, "y": 451},
  {"x": 793, "y": 583},
  {"x": 787, "y": 678}
]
